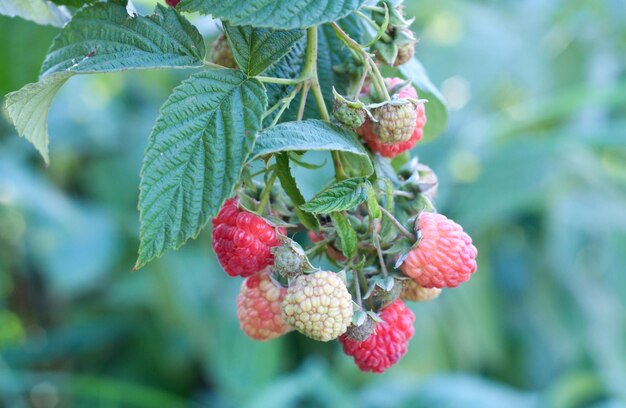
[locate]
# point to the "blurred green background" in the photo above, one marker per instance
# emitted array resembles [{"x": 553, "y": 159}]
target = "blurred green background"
[{"x": 533, "y": 164}]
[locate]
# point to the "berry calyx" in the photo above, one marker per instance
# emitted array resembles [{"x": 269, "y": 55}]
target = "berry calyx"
[
  {"x": 348, "y": 116},
  {"x": 318, "y": 306},
  {"x": 362, "y": 331},
  {"x": 258, "y": 307},
  {"x": 387, "y": 344},
  {"x": 444, "y": 256},
  {"x": 290, "y": 259},
  {"x": 242, "y": 241},
  {"x": 413, "y": 292}
]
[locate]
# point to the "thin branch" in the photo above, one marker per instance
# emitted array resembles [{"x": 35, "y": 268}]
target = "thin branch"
[{"x": 398, "y": 225}]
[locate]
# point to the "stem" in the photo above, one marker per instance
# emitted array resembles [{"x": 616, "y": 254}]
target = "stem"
[
  {"x": 282, "y": 81},
  {"x": 284, "y": 101},
  {"x": 315, "y": 83},
  {"x": 265, "y": 195},
  {"x": 398, "y": 225},
  {"x": 212, "y": 65},
  {"x": 374, "y": 8},
  {"x": 377, "y": 78},
  {"x": 386, "y": 37},
  {"x": 379, "y": 251},
  {"x": 357, "y": 288},
  {"x": 363, "y": 284},
  {"x": 340, "y": 173},
  {"x": 311, "y": 55},
  {"x": 305, "y": 93}
]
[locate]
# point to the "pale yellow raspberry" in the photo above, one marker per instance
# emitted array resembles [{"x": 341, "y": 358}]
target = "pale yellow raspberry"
[
  {"x": 318, "y": 306},
  {"x": 416, "y": 293}
]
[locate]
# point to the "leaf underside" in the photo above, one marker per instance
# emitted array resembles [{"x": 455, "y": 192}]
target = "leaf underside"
[
  {"x": 312, "y": 135},
  {"x": 103, "y": 38},
  {"x": 341, "y": 196}
]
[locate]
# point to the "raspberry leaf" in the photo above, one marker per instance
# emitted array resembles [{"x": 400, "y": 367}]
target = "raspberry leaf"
[
  {"x": 288, "y": 182},
  {"x": 103, "y": 38},
  {"x": 195, "y": 155},
  {"x": 341, "y": 196},
  {"x": 256, "y": 49},
  {"x": 311, "y": 135},
  {"x": 347, "y": 234},
  {"x": 40, "y": 11},
  {"x": 436, "y": 109},
  {"x": 282, "y": 14}
]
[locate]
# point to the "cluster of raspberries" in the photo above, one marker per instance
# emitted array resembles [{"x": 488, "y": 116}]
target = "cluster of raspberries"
[{"x": 318, "y": 303}]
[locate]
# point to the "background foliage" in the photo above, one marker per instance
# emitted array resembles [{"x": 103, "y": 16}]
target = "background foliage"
[{"x": 533, "y": 164}]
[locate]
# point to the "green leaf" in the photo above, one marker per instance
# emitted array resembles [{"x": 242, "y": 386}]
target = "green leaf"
[
  {"x": 256, "y": 49},
  {"x": 40, "y": 11},
  {"x": 103, "y": 38},
  {"x": 340, "y": 196},
  {"x": 73, "y": 3},
  {"x": 282, "y": 14},
  {"x": 309, "y": 135},
  {"x": 288, "y": 182},
  {"x": 347, "y": 234},
  {"x": 436, "y": 109},
  {"x": 372, "y": 202},
  {"x": 194, "y": 157},
  {"x": 28, "y": 110}
]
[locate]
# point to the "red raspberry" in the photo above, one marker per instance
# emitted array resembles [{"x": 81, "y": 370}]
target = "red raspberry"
[
  {"x": 242, "y": 240},
  {"x": 258, "y": 308},
  {"x": 387, "y": 344},
  {"x": 369, "y": 133},
  {"x": 172, "y": 3},
  {"x": 443, "y": 257}
]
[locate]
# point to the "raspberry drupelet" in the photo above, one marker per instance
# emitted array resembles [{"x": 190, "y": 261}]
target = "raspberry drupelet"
[
  {"x": 387, "y": 344},
  {"x": 242, "y": 241}
]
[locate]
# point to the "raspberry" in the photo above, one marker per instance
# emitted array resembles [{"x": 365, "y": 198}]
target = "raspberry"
[
  {"x": 394, "y": 123},
  {"x": 371, "y": 133},
  {"x": 242, "y": 241},
  {"x": 318, "y": 306},
  {"x": 387, "y": 344},
  {"x": 172, "y": 3},
  {"x": 405, "y": 53},
  {"x": 348, "y": 116},
  {"x": 290, "y": 259},
  {"x": 416, "y": 293},
  {"x": 404, "y": 92},
  {"x": 393, "y": 149},
  {"x": 258, "y": 308},
  {"x": 221, "y": 53},
  {"x": 444, "y": 255}
]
